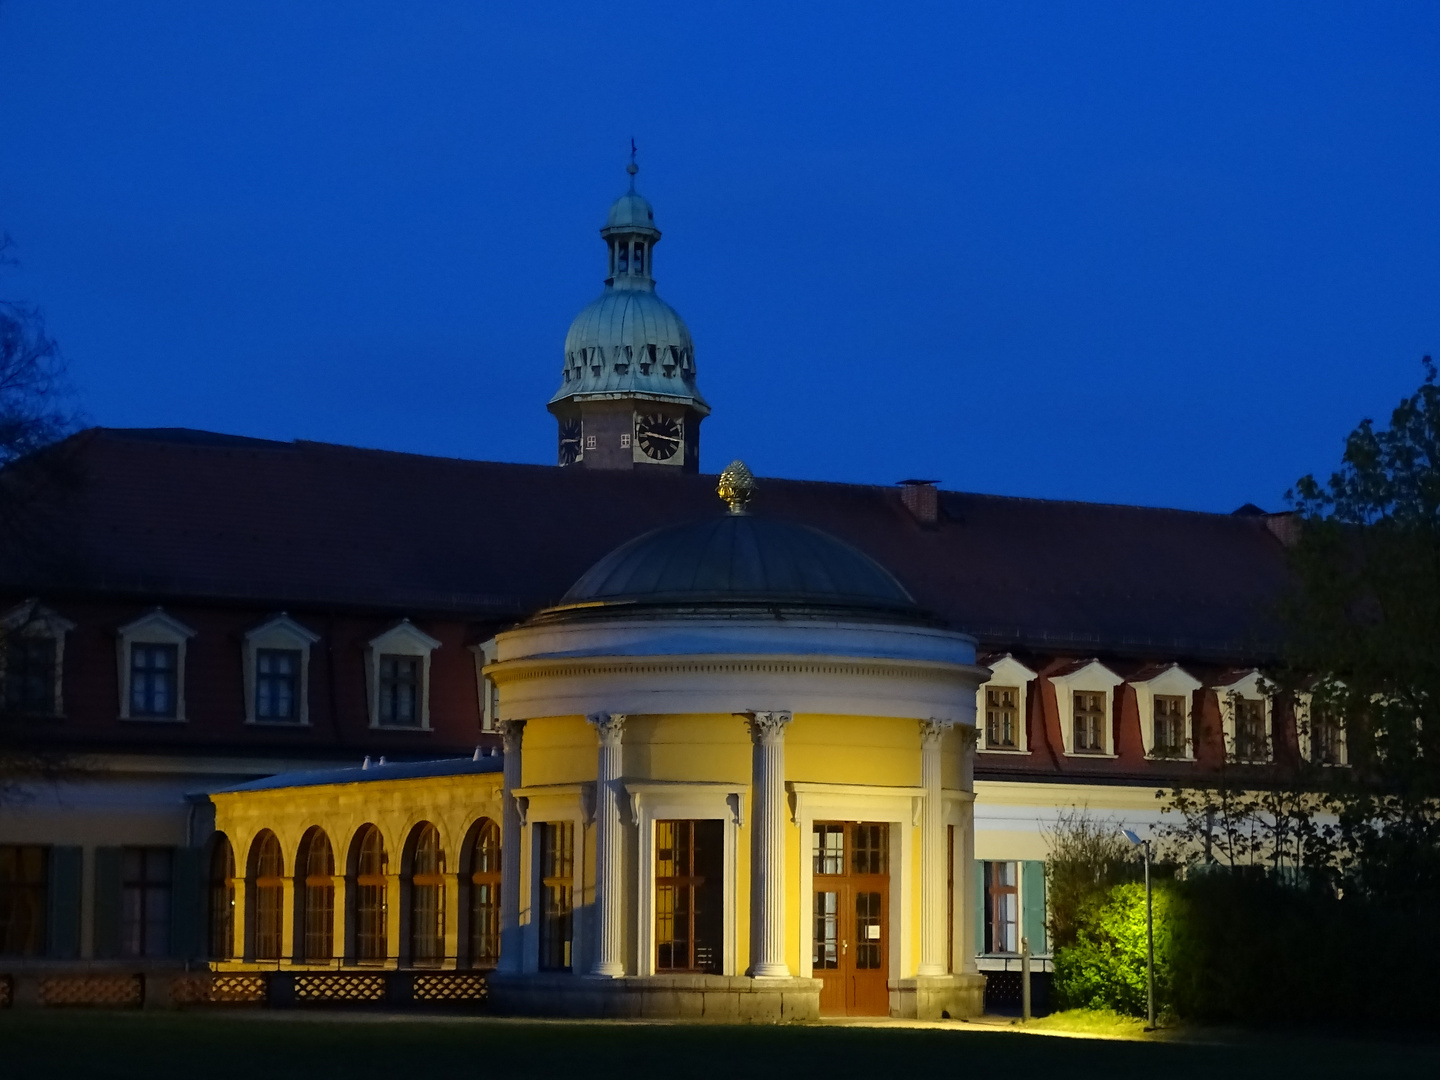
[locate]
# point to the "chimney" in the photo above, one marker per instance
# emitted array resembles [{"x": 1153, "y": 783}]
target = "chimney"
[{"x": 922, "y": 499}]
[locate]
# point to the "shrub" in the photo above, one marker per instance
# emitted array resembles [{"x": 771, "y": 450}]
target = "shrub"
[{"x": 1105, "y": 968}]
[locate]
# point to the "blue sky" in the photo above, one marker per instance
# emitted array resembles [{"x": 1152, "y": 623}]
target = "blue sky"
[{"x": 1157, "y": 253}]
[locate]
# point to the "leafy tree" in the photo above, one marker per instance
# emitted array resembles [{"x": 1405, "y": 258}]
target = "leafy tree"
[
  {"x": 34, "y": 414},
  {"x": 1364, "y": 645}
]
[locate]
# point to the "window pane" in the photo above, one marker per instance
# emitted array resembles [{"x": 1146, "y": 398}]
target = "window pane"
[
  {"x": 153, "y": 680},
  {"x": 23, "y": 876}
]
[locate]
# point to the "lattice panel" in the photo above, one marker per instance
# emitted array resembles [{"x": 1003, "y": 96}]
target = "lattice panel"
[
  {"x": 114, "y": 991},
  {"x": 457, "y": 987},
  {"x": 339, "y": 987},
  {"x": 218, "y": 990},
  {"x": 7, "y": 991}
]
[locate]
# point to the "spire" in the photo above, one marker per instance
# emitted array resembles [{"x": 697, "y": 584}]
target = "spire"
[
  {"x": 632, "y": 168},
  {"x": 630, "y": 234}
]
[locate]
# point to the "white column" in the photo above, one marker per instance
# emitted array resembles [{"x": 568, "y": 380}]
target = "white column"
[
  {"x": 609, "y": 847},
  {"x": 511, "y": 735},
  {"x": 767, "y": 848},
  {"x": 932, "y": 849}
]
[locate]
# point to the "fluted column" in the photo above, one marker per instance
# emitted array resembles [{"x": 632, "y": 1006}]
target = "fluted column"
[
  {"x": 932, "y": 849},
  {"x": 609, "y": 847},
  {"x": 511, "y": 735},
  {"x": 767, "y": 847}
]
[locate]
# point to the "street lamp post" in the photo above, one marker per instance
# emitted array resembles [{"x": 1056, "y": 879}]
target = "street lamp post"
[{"x": 1144, "y": 845}]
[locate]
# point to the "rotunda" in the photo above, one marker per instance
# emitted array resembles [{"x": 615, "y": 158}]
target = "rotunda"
[{"x": 737, "y": 776}]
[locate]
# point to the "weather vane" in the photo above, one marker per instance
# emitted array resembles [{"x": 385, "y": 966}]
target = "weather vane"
[{"x": 632, "y": 168}]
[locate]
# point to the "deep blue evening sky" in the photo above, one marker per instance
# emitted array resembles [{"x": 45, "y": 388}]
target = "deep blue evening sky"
[{"x": 1156, "y": 253}]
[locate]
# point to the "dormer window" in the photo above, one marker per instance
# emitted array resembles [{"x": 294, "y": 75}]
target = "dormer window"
[
  {"x": 1246, "y": 711},
  {"x": 1165, "y": 701},
  {"x": 152, "y": 667},
  {"x": 277, "y": 672},
  {"x": 32, "y": 647},
  {"x": 1000, "y": 706},
  {"x": 398, "y": 674},
  {"x": 1084, "y": 696}
]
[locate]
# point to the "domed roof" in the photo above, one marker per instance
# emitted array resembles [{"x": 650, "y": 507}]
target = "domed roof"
[
  {"x": 631, "y": 211},
  {"x": 628, "y": 341},
  {"x": 740, "y": 558}
]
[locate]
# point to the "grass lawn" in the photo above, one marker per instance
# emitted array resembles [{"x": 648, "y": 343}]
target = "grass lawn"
[{"x": 58, "y": 1045}]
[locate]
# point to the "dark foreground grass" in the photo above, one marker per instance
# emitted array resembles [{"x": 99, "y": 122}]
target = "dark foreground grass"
[{"x": 271, "y": 1046}]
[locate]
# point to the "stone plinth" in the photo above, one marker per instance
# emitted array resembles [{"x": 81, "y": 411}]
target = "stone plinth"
[
  {"x": 714, "y": 998},
  {"x": 937, "y": 997}
]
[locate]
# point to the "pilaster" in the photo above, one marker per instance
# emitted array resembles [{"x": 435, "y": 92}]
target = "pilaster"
[
  {"x": 512, "y": 733},
  {"x": 932, "y": 849}
]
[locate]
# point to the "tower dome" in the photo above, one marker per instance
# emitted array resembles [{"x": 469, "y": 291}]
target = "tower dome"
[{"x": 627, "y": 393}]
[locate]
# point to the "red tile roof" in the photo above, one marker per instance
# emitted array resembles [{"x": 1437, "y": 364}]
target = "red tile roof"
[{"x": 176, "y": 514}]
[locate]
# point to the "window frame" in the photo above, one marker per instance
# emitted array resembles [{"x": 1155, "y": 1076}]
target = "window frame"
[
  {"x": 1088, "y": 677},
  {"x": 315, "y": 899},
  {"x": 1174, "y": 681},
  {"x": 33, "y": 894},
  {"x": 403, "y": 639},
  {"x": 487, "y": 693},
  {"x": 557, "y": 952},
  {"x": 145, "y": 888},
  {"x": 1005, "y": 671},
  {"x": 220, "y": 899},
  {"x": 260, "y": 889},
  {"x": 155, "y": 628},
  {"x": 1246, "y": 688},
  {"x": 1305, "y": 728},
  {"x": 283, "y": 634},
  {"x": 994, "y": 893},
  {"x": 482, "y": 944},
  {"x": 33, "y": 620},
  {"x": 369, "y": 883},
  {"x": 436, "y": 928}
]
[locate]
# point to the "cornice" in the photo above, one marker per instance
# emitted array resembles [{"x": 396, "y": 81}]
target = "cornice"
[{"x": 521, "y": 671}]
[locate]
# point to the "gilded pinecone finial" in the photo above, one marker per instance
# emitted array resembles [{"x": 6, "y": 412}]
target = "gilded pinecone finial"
[{"x": 737, "y": 486}]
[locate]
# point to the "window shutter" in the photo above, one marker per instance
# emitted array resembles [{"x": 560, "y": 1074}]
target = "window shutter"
[
  {"x": 107, "y": 902},
  {"x": 62, "y": 917},
  {"x": 1032, "y": 897},
  {"x": 979, "y": 907},
  {"x": 186, "y": 914}
]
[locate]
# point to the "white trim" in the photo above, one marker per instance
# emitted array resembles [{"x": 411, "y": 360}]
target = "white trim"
[
  {"x": 1305, "y": 735},
  {"x": 1006, "y": 671},
  {"x": 1248, "y": 688},
  {"x": 156, "y": 628},
  {"x": 1093, "y": 678},
  {"x": 32, "y": 619},
  {"x": 653, "y": 800},
  {"x": 402, "y": 639},
  {"x": 1174, "y": 681},
  {"x": 279, "y": 632},
  {"x": 487, "y": 694},
  {"x": 539, "y": 805},
  {"x": 861, "y": 802}
]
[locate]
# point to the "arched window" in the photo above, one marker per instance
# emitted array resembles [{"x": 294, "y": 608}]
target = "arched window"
[
  {"x": 222, "y": 899},
  {"x": 267, "y": 886},
  {"x": 484, "y": 885},
  {"x": 427, "y": 897},
  {"x": 316, "y": 862},
  {"x": 368, "y": 895}
]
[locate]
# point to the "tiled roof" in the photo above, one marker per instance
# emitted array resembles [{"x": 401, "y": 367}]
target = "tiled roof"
[
  {"x": 183, "y": 515},
  {"x": 373, "y": 771}
]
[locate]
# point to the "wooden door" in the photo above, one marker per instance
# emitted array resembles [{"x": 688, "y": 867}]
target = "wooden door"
[{"x": 851, "y": 920}]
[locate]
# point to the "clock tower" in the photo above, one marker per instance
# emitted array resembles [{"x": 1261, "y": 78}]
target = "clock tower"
[{"x": 627, "y": 397}]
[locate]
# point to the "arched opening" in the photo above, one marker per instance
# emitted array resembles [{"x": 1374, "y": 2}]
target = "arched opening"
[
  {"x": 481, "y": 880},
  {"x": 368, "y": 909},
  {"x": 639, "y": 258},
  {"x": 266, "y": 887},
  {"x": 622, "y": 264},
  {"x": 221, "y": 930},
  {"x": 315, "y": 876},
  {"x": 427, "y": 896}
]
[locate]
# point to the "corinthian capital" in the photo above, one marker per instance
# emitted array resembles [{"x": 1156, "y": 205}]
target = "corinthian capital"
[
  {"x": 609, "y": 726},
  {"x": 767, "y": 727},
  {"x": 511, "y": 732},
  {"x": 933, "y": 730}
]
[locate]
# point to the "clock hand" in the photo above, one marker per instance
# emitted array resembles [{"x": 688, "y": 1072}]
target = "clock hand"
[{"x": 657, "y": 435}]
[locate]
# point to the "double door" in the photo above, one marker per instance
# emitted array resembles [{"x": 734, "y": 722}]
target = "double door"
[{"x": 851, "y": 916}]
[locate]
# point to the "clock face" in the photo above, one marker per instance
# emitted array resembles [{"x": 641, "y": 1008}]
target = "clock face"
[
  {"x": 569, "y": 442},
  {"x": 658, "y": 436}
]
